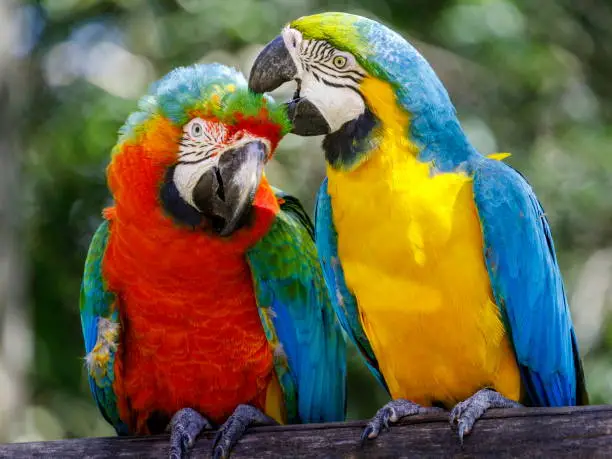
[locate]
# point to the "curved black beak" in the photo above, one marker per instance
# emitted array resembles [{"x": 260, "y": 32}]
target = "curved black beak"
[
  {"x": 225, "y": 193},
  {"x": 273, "y": 67}
]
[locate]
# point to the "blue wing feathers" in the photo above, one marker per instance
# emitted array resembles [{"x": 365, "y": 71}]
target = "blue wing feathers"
[
  {"x": 527, "y": 284},
  {"x": 291, "y": 294},
  {"x": 96, "y": 303}
]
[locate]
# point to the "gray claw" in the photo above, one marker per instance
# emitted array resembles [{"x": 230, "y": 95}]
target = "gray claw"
[
  {"x": 465, "y": 414},
  {"x": 462, "y": 430},
  {"x": 185, "y": 426},
  {"x": 391, "y": 413},
  {"x": 236, "y": 425}
]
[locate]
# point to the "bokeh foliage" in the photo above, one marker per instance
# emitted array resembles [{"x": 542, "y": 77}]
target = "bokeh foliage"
[{"x": 532, "y": 78}]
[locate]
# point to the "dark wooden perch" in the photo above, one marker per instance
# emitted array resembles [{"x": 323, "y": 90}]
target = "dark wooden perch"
[{"x": 528, "y": 432}]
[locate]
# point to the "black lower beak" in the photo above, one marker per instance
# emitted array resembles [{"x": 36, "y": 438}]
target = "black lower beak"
[
  {"x": 225, "y": 193},
  {"x": 306, "y": 119}
]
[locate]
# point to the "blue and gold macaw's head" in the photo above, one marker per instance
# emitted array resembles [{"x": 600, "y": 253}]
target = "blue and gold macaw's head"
[{"x": 354, "y": 74}]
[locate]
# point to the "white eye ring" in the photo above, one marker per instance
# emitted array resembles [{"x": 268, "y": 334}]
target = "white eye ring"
[{"x": 196, "y": 130}]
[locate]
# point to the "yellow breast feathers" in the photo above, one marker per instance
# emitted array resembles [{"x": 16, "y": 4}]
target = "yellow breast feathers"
[{"x": 410, "y": 244}]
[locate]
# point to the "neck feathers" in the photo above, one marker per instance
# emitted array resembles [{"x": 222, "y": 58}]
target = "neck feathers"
[
  {"x": 349, "y": 146},
  {"x": 425, "y": 129}
]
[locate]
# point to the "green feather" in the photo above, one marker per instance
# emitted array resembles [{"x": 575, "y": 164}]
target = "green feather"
[
  {"x": 212, "y": 89},
  {"x": 98, "y": 318},
  {"x": 298, "y": 319}
]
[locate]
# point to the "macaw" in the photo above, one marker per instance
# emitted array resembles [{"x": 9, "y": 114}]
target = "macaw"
[
  {"x": 203, "y": 302},
  {"x": 439, "y": 260}
]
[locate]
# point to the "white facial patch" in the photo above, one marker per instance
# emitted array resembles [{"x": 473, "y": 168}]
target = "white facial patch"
[
  {"x": 337, "y": 105},
  {"x": 200, "y": 147},
  {"x": 328, "y": 78},
  {"x": 202, "y": 144}
]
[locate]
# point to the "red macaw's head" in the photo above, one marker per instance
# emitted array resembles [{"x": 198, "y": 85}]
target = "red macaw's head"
[{"x": 195, "y": 151}]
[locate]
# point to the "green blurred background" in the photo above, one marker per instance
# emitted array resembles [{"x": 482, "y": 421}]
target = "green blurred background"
[{"x": 531, "y": 78}]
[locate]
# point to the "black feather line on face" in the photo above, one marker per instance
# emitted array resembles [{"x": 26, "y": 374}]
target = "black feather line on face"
[
  {"x": 354, "y": 75},
  {"x": 329, "y": 52},
  {"x": 350, "y": 81},
  {"x": 335, "y": 85},
  {"x": 348, "y": 144},
  {"x": 318, "y": 51},
  {"x": 174, "y": 205},
  {"x": 319, "y": 56},
  {"x": 196, "y": 161},
  {"x": 196, "y": 153}
]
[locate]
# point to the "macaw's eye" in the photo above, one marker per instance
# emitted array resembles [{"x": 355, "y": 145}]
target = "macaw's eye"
[
  {"x": 339, "y": 62},
  {"x": 197, "y": 129}
]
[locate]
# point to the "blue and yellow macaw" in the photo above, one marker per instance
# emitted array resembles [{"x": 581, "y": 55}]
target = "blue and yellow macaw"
[{"x": 440, "y": 260}]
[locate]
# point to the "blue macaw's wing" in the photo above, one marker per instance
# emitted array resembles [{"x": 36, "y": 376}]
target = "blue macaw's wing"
[
  {"x": 100, "y": 323},
  {"x": 309, "y": 348},
  {"x": 527, "y": 286},
  {"x": 344, "y": 302}
]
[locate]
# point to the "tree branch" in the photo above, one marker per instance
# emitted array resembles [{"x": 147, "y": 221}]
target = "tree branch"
[{"x": 525, "y": 432}]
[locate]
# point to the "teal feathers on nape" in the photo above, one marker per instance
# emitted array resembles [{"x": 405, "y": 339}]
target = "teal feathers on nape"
[{"x": 213, "y": 89}]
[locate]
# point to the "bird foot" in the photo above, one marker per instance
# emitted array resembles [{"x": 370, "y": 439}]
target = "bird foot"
[
  {"x": 185, "y": 426},
  {"x": 232, "y": 430},
  {"x": 391, "y": 413},
  {"x": 467, "y": 412}
]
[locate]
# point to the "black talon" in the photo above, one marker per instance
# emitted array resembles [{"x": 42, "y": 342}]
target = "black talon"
[
  {"x": 218, "y": 453},
  {"x": 218, "y": 450},
  {"x": 364, "y": 435},
  {"x": 218, "y": 436}
]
